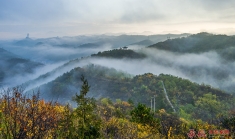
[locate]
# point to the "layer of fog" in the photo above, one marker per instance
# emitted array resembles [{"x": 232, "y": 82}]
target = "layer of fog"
[
  {"x": 52, "y": 58},
  {"x": 135, "y": 47},
  {"x": 22, "y": 78},
  {"x": 208, "y": 68},
  {"x": 48, "y": 54},
  {"x": 52, "y": 52},
  {"x": 50, "y": 75}
]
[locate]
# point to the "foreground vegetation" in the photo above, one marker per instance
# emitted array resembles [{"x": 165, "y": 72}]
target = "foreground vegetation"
[{"x": 29, "y": 116}]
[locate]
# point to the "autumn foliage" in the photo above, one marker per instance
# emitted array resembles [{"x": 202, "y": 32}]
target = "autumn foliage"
[{"x": 26, "y": 116}]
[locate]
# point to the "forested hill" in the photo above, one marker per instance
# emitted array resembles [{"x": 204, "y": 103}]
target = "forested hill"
[
  {"x": 190, "y": 100},
  {"x": 201, "y": 42},
  {"x": 197, "y": 43},
  {"x": 12, "y": 65},
  {"x": 120, "y": 53},
  {"x": 4, "y": 54}
]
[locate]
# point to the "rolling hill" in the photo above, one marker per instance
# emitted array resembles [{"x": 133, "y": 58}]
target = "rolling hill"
[
  {"x": 186, "y": 96},
  {"x": 13, "y": 65},
  {"x": 201, "y": 42}
]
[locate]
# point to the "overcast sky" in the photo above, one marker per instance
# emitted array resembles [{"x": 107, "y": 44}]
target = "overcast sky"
[{"x": 49, "y": 18}]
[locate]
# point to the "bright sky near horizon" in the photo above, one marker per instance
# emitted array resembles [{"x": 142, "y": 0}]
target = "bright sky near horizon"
[{"x": 50, "y": 18}]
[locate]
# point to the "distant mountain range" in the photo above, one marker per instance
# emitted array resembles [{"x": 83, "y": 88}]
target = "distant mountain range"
[{"x": 83, "y": 41}]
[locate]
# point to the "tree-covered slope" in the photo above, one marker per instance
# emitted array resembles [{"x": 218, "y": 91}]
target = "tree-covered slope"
[
  {"x": 201, "y": 42},
  {"x": 4, "y": 54},
  {"x": 12, "y": 65},
  {"x": 190, "y": 100},
  {"x": 120, "y": 53}
]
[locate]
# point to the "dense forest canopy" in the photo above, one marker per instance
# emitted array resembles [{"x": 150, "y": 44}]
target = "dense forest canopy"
[
  {"x": 201, "y": 42},
  {"x": 186, "y": 96}
]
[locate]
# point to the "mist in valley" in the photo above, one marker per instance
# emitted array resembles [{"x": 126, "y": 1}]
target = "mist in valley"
[
  {"x": 205, "y": 68},
  {"x": 52, "y": 53},
  {"x": 61, "y": 55}
]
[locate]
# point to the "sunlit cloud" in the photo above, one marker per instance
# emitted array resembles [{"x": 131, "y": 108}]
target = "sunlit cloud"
[{"x": 60, "y": 18}]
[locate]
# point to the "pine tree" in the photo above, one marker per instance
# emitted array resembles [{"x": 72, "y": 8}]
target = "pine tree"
[{"x": 88, "y": 122}]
